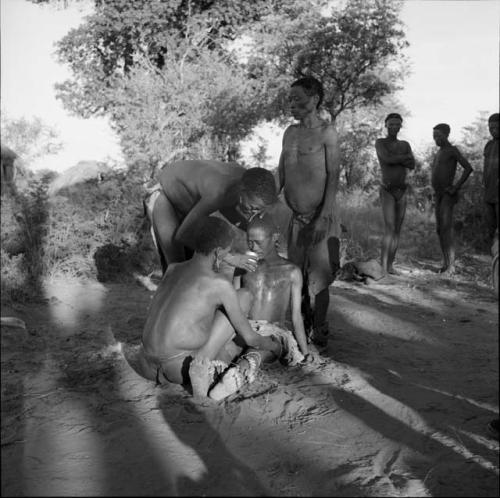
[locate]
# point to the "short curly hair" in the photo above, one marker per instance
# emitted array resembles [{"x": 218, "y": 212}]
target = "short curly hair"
[
  {"x": 265, "y": 222},
  {"x": 260, "y": 183},
  {"x": 393, "y": 115},
  {"x": 311, "y": 87},
  {"x": 445, "y": 128},
  {"x": 212, "y": 232}
]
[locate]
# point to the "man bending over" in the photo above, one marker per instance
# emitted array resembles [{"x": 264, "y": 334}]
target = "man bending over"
[
  {"x": 195, "y": 311},
  {"x": 193, "y": 189}
]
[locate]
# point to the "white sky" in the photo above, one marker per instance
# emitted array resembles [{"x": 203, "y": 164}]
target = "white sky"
[{"x": 454, "y": 53}]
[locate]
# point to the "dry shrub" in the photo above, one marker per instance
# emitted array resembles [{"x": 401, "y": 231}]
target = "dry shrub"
[
  {"x": 49, "y": 238},
  {"x": 359, "y": 212}
]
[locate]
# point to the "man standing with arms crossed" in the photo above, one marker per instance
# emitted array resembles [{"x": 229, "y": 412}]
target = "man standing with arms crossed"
[
  {"x": 395, "y": 158},
  {"x": 309, "y": 175}
]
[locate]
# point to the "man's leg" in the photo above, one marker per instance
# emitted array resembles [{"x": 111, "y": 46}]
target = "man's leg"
[
  {"x": 496, "y": 217},
  {"x": 324, "y": 261},
  {"x": 491, "y": 219},
  {"x": 320, "y": 324},
  {"x": 446, "y": 233},
  {"x": 399, "y": 216},
  {"x": 389, "y": 213},
  {"x": 201, "y": 369},
  {"x": 437, "y": 215},
  {"x": 165, "y": 223}
]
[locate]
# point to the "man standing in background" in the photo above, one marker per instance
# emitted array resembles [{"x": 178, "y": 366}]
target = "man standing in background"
[
  {"x": 444, "y": 167},
  {"x": 395, "y": 158},
  {"x": 490, "y": 176}
]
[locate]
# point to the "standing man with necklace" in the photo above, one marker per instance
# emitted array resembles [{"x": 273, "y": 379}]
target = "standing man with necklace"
[{"x": 309, "y": 175}]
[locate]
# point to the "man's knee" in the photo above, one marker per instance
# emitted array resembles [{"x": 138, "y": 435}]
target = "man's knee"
[{"x": 390, "y": 228}]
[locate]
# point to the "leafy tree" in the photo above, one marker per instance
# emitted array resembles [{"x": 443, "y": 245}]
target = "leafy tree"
[
  {"x": 167, "y": 73},
  {"x": 200, "y": 109},
  {"x": 474, "y": 138},
  {"x": 355, "y": 50},
  {"x": 29, "y": 138},
  {"x": 120, "y": 33}
]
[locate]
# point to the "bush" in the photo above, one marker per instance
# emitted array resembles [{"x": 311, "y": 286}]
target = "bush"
[
  {"x": 71, "y": 234},
  {"x": 89, "y": 218}
]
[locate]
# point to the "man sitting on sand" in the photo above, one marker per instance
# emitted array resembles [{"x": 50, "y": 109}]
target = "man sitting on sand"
[
  {"x": 395, "y": 158},
  {"x": 193, "y": 189},
  {"x": 194, "y": 315},
  {"x": 444, "y": 168},
  {"x": 276, "y": 289},
  {"x": 276, "y": 284}
]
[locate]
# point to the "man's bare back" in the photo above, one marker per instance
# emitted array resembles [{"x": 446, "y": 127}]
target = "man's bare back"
[
  {"x": 186, "y": 182},
  {"x": 191, "y": 190},
  {"x": 185, "y": 322},
  {"x": 182, "y": 309}
]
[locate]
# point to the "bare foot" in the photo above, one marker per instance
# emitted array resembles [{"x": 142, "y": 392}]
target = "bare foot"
[
  {"x": 319, "y": 335},
  {"x": 237, "y": 376},
  {"x": 447, "y": 270},
  {"x": 200, "y": 376}
]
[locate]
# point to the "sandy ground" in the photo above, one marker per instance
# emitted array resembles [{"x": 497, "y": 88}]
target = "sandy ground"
[{"x": 396, "y": 405}]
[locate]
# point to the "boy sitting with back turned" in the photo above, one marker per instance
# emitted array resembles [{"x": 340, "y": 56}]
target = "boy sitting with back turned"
[{"x": 191, "y": 324}]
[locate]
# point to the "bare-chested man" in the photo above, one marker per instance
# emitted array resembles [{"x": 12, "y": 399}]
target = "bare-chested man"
[
  {"x": 444, "y": 167},
  {"x": 193, "y": 189},
  {"x": 490, "y": 175},
  {"x": 395, "y": 158},
  {"x": 187, "y": 337},
  {"x": 276, "y": 284},
  {"x": 309, "y": 174},
  {"x": 276, "y": 290}
]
